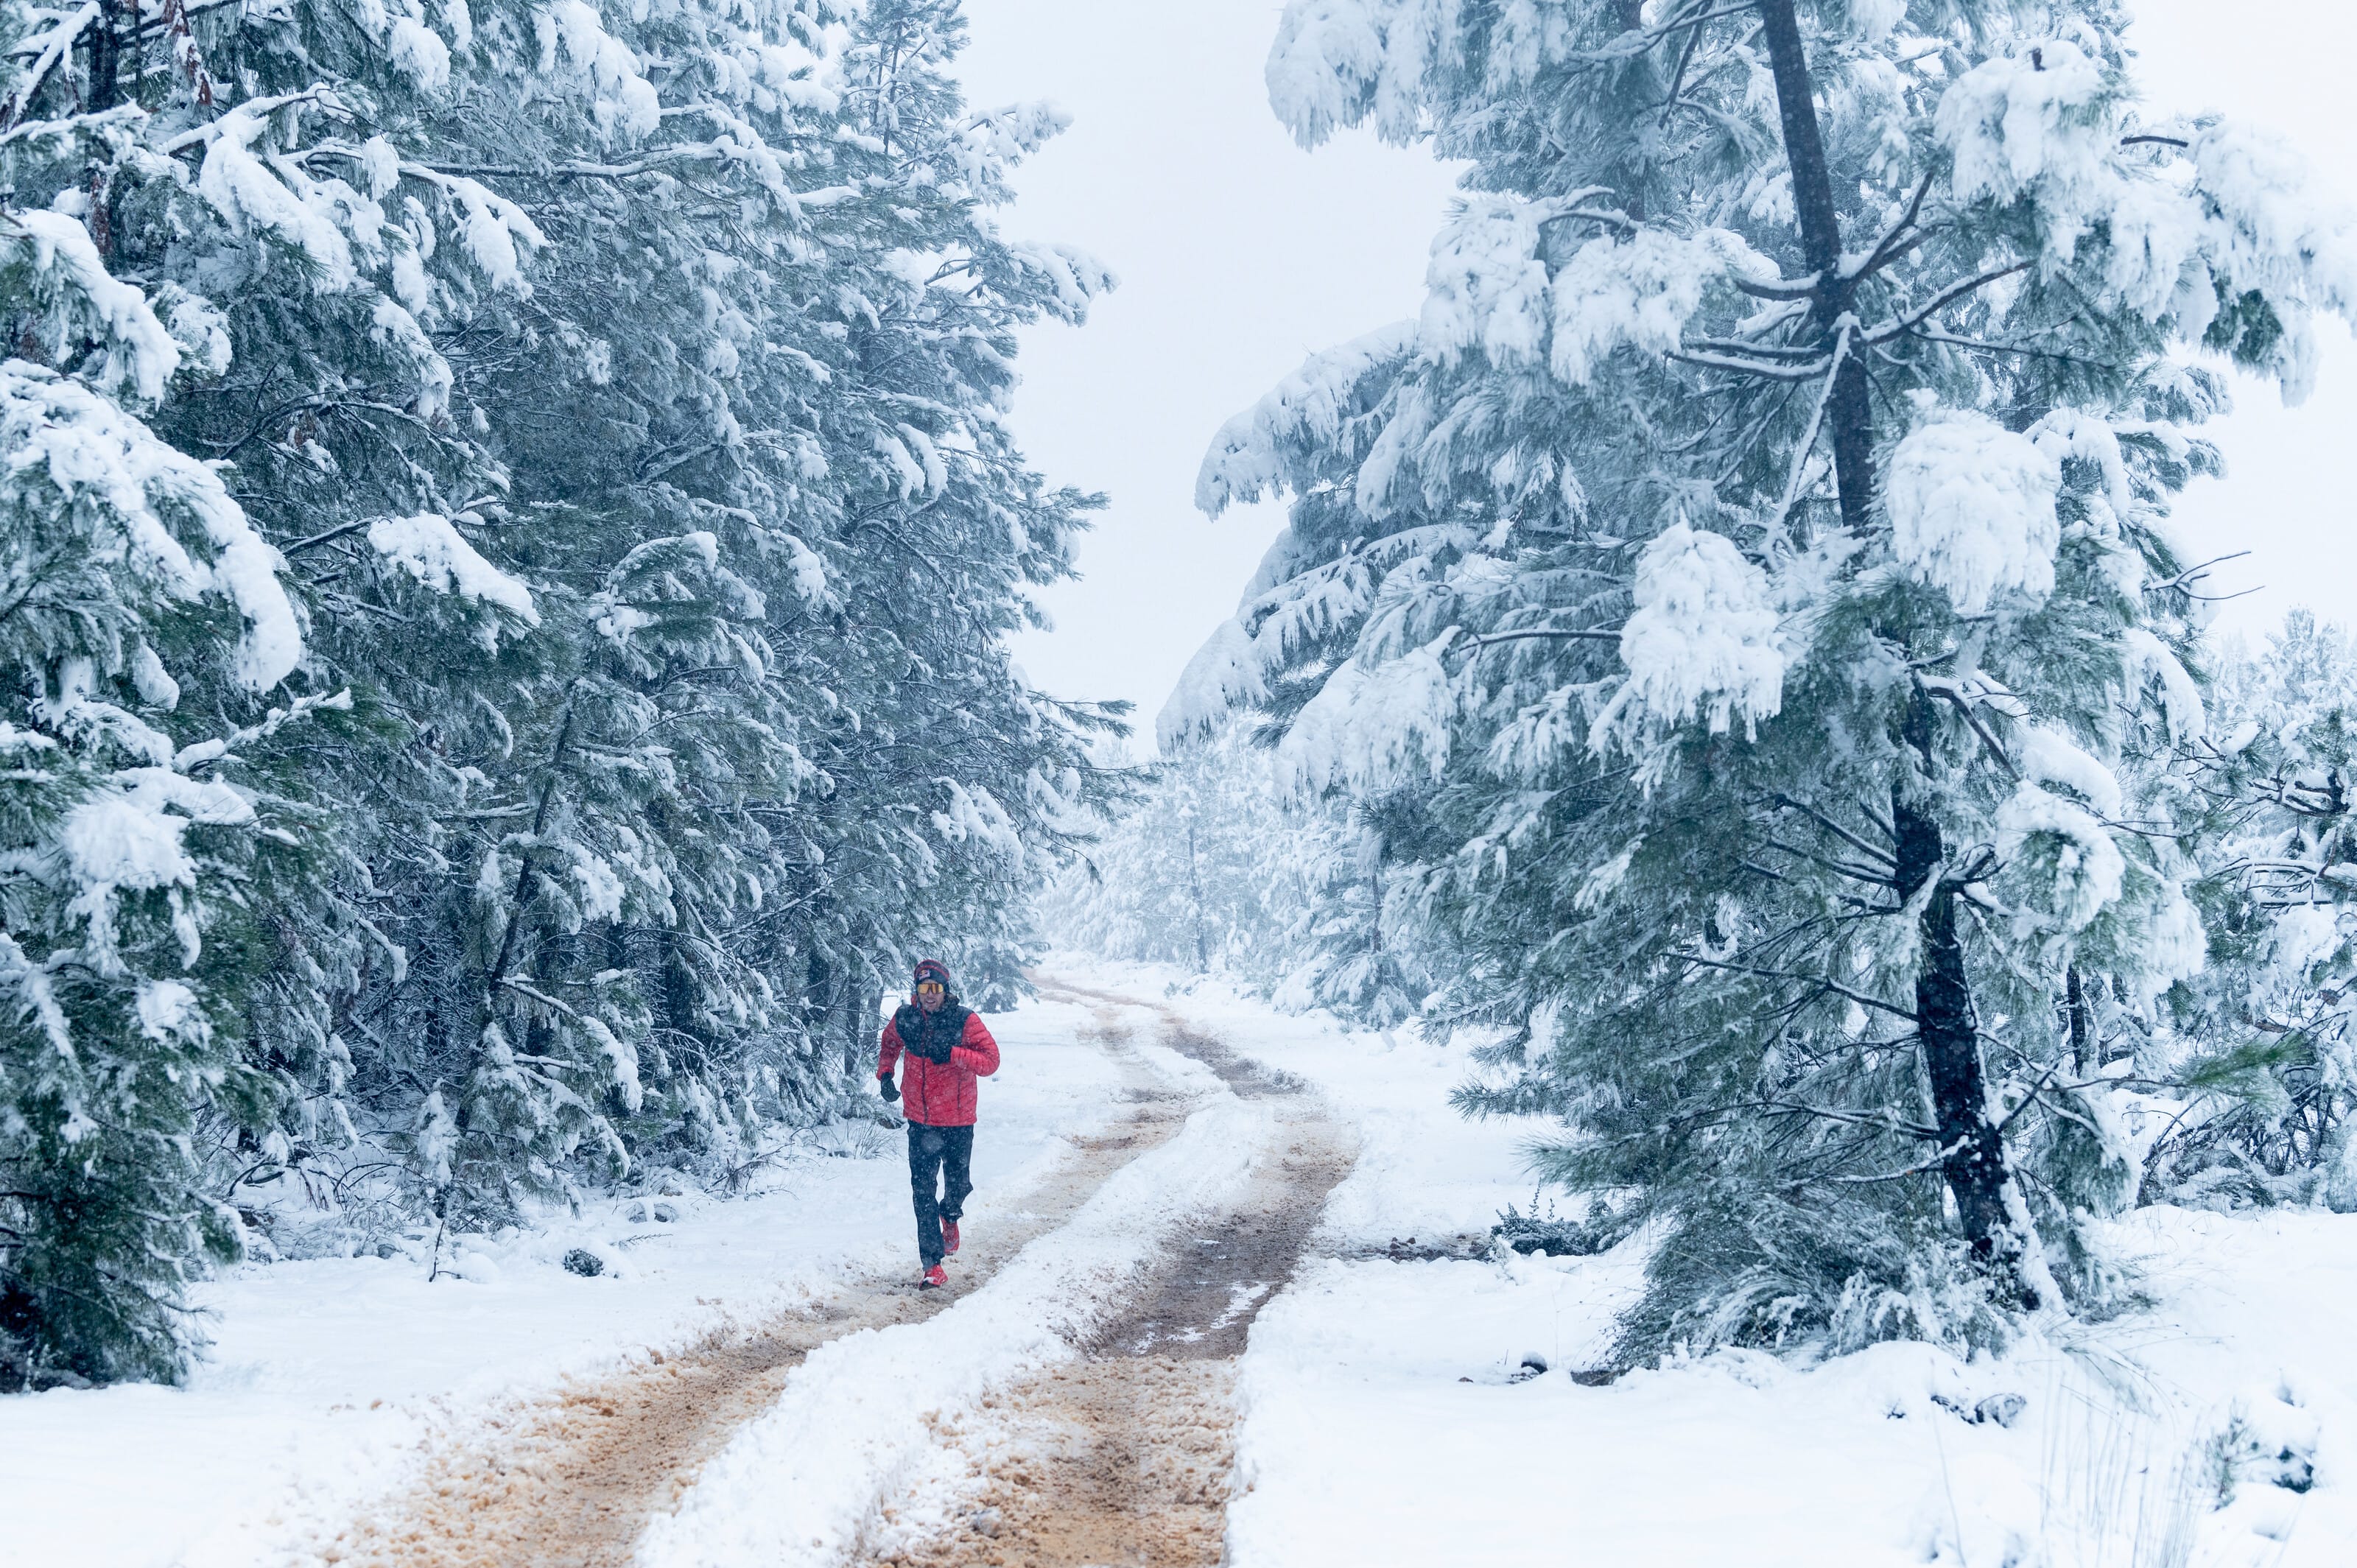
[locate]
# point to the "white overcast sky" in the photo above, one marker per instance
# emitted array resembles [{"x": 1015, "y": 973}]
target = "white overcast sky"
[{"x": 1240, "y": 253}]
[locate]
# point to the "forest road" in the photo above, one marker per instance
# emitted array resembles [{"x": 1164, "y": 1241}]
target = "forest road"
[
  {"x": 570, "y": 1480},
  {"x": 1127, "y": 1455}
]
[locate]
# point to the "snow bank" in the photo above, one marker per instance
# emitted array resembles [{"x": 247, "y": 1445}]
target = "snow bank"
[
  {"x": 802, "y": 1483},
  {"x": 1388, "y": 1417}
]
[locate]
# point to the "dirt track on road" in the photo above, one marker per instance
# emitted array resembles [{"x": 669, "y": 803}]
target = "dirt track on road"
[
  {"x": 570, "y": 1481},
  {"x": 1128, "y": 1456}
]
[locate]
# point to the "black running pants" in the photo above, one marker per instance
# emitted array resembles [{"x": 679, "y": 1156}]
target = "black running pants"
[{"x": 940, "y": 1159}]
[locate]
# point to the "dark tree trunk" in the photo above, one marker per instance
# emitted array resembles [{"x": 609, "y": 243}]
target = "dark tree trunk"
[
  {"x": 1195, "y": 891},
  {"x": 2083, "y": 1033},
  {"x": 1973, "y": 1163},
  {"x": 1849, "y": 415},
  {"x": 106, "y": 54}
]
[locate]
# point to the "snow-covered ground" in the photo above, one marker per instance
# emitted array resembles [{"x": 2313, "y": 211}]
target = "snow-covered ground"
[
  {"x": 325, "y": 1376},
  {"x": 1382, "y": 1417},
  {"x": 2176, "y": 1436}
]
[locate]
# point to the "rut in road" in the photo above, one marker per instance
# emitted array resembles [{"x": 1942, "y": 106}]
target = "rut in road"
[
  {"x": 1128, "y": 1456},
  {"x": 570, "y": 1482}
]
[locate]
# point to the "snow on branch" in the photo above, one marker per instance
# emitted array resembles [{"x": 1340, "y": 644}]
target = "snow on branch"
[
  {"x": 1227, "y": 672},
  {"x": 1334, "y": 63},
  {"x": 1971, "y": 510},
  {"x": 2078, "y": 869},
  {"x": 46, "y": 50},
  {"x": 1704, "y": 641},
  {"x": 74, "y": 306},
  {"x": 989, "y": 145},
  {"x": 1640, "y": 291},
  {"x": 1075, "y": 277},
  {"x": 1252, "y": 454},
  {"x": 2150, "y": 662},
  {"x": 625, "y": 98},
  {"x": 1374, "y": 728},
  {"x": 432, "y": 551},
  {"x": 1486, "y": 288},
  {"x": 251, "y": 195},
  {"x": 975, "y": 814},
  {"x": 90, "y": 453},
  {"x": 2232, "y": 213}
]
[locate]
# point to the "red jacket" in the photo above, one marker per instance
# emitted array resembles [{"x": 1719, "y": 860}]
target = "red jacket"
[{"x": 941, "y": 1094}]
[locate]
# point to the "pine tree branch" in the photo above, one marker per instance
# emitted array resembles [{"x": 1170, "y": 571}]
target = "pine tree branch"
[
  {"x": 1925, "y": 1167},
  {"x": 1808, "y": 443},
  {"x": 336, "y": 533},
  {"x": 1949, "y": 692},
  {"x": 202, "y": 135},
  {"x": 48, "y": 48},
  {"x": 1781, "y": 289},
  {"x": 1601, "y": 634},
  {"x": 1862, "y": 998},
  {"x": 1770, "y": 372},
  {"x": 1889, "y": 248},
  {"x": 1945, "y": 298},
  {"x": 1882, "y": 1122},
  {"x": 1873, "y": 876},
  {"x": 1847, "y": 837}
]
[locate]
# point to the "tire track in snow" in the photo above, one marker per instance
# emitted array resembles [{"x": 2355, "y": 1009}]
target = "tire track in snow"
[
  {"x": 1128, "y": 1455},
  {"x": 572, "y": 1479}
]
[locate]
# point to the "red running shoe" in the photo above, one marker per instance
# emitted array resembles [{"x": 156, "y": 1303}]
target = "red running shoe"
[
  {"x": 949, "y": 1237},
  {"x": 935, "y": 1278}
]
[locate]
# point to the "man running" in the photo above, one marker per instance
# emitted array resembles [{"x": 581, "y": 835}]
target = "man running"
[{"x": 947, "y": 1048}]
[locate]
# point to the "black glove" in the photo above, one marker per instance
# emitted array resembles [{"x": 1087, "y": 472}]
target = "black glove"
[
  {"x": 891, "y": 1090},
  {"x": 942, "y": 1047}
]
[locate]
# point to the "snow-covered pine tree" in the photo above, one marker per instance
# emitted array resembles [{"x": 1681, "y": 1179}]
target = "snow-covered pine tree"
[
  {"x": 1737, "y": 593},
  {"x": 2259, "y": 1047},
  {"x": 138, "y": 605},
  {"x": 1221, "y": 868},
  {"x": 625, "y": 387},
  {"x": 771, "y": 325}
]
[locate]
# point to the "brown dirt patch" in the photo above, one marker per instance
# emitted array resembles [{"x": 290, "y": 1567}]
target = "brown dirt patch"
[
  {"x": 571, "y": 1481},
  {"x": 1128, "y": 1457},
  {"x": 1124, "y": 1461},
  {"x": 1250, "y": 1079}
]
